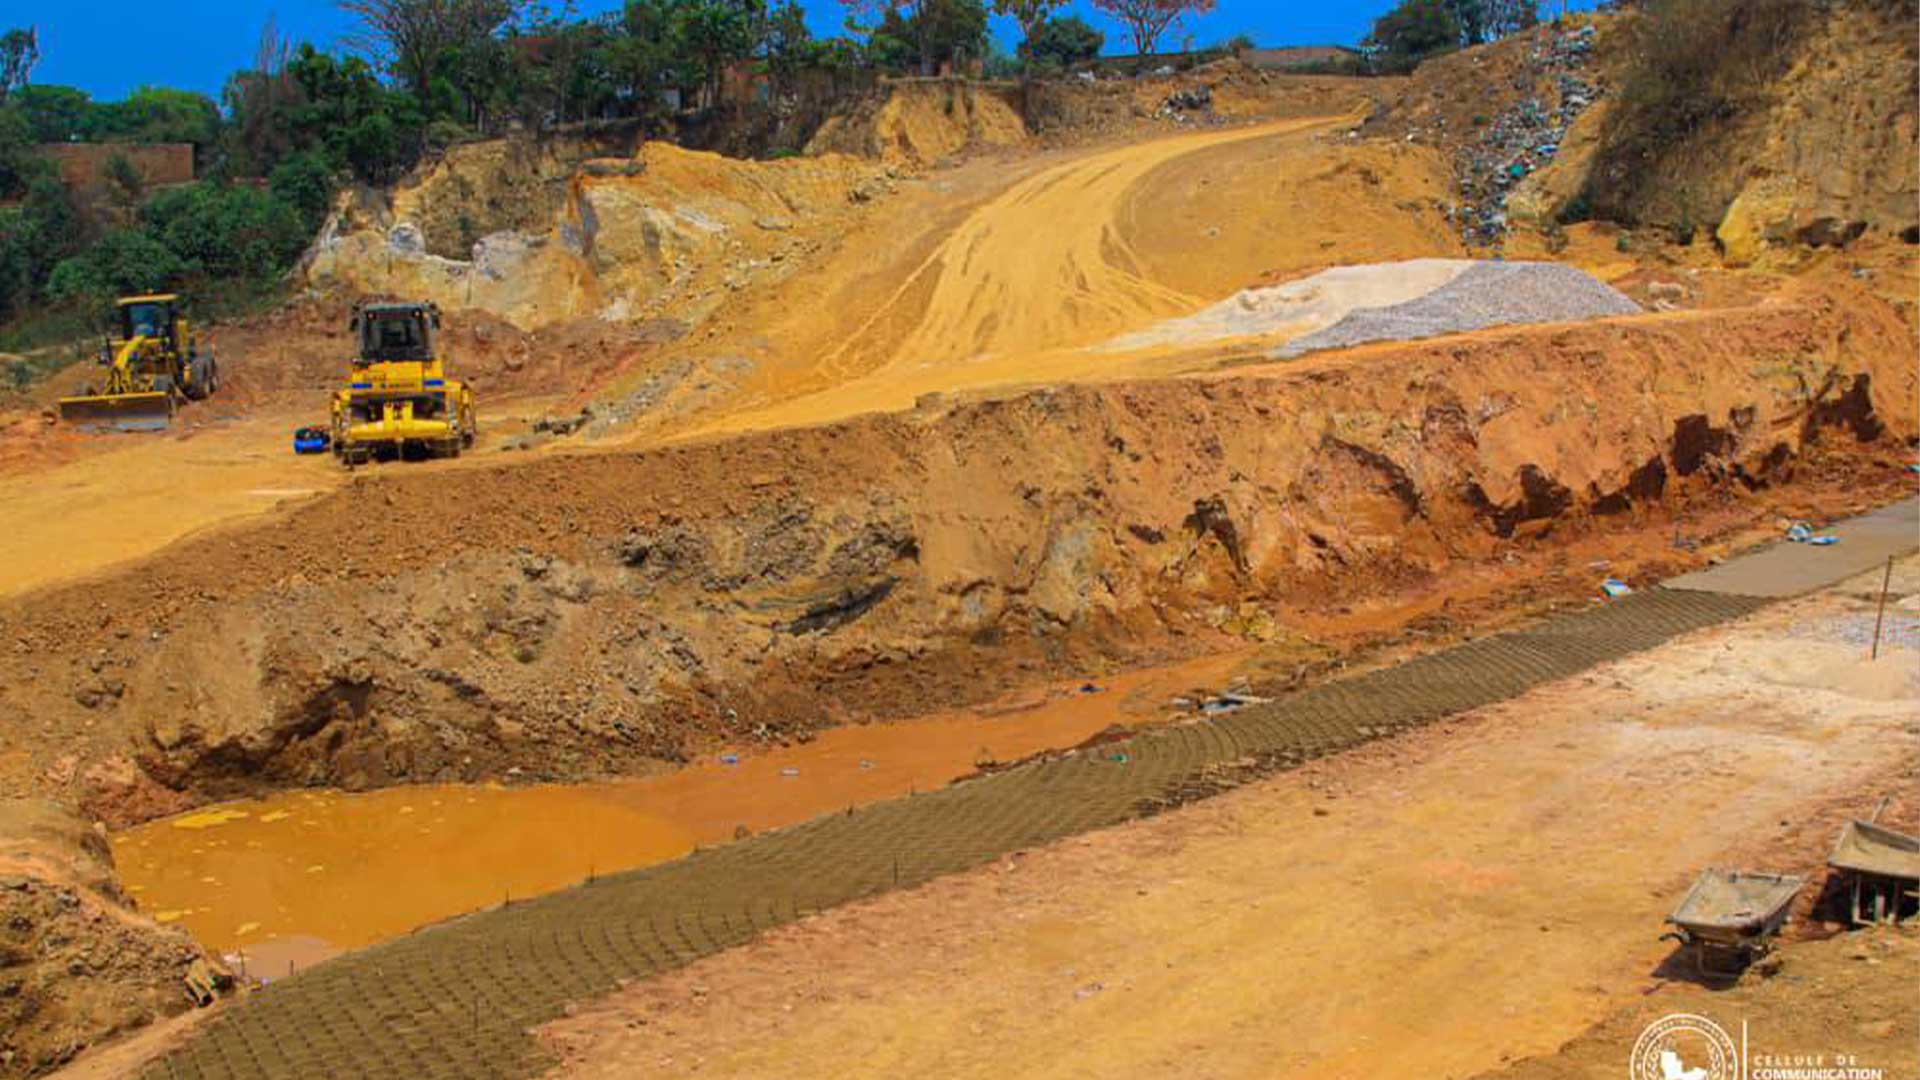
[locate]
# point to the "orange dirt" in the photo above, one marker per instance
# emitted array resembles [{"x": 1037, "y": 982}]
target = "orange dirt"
[{"x": 350, "y": 870}]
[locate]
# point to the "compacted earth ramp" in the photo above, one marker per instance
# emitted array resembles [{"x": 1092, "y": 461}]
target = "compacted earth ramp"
[{"x": 456, "y": 1000}]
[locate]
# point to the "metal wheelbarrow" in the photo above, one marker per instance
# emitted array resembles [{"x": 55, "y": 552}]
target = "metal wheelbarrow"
[{"x": 1732, "y": 913}]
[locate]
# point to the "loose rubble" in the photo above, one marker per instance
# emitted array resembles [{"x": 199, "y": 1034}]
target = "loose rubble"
[
  {"x": 1487, "y": 294},
  {"x": 1519, "y": 141}
]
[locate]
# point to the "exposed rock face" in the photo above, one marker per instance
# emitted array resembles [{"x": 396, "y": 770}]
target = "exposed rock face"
[
  {"x": 77, "y": 964},
  {"x": 541, "y": 237},
  {"x": 573, "y": 616},
  {"x": 1839, "y": 149},
  {"x": 920, "y": 123}
]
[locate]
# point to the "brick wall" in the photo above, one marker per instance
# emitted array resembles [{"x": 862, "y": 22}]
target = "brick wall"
[{"x": 83, "y": 166}]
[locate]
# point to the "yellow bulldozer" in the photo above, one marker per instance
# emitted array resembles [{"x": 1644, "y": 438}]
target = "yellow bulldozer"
[
  {"x": 153, "y": 365},
  {"x": 398, "y": 400}
]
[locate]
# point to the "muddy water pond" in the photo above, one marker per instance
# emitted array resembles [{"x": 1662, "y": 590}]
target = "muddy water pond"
[{"x": 290, "y": 879}]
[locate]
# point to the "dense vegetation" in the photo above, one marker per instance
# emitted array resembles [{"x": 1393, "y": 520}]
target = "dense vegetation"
[{"x": 419, "y": 75}]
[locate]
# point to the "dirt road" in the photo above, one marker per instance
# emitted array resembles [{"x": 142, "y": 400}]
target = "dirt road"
[
  {"x": 109, "y": 507},
  {"x": 1430, "y": 906},
  {"x": 1072, "y": 256}
]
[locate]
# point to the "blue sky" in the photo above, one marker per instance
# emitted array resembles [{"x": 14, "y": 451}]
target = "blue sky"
[{"x": 108, "y": 47}]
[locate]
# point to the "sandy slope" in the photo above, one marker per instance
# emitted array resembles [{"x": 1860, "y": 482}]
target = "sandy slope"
[{"x": 1091, "y": 248}]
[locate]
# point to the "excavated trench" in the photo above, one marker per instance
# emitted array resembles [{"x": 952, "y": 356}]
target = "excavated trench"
[
  {"x": 457, "y": 1000},
  {"x": 596, "y": 615}
]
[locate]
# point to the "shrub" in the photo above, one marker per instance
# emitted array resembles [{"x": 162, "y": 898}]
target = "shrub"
[
  {"x": 122, "y": 262},
  {"x": 305, "y": 182}
]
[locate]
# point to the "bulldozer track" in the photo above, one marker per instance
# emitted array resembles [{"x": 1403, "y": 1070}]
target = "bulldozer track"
[{"x": 457, "y": 999}]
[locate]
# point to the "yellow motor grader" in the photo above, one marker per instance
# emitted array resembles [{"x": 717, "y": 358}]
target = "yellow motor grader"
[
  {"x": 154, "y": 364},
  {"x": 398, "y": 399}
]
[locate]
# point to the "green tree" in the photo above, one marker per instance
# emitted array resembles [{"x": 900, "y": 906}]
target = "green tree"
[
  {"x": 375, "y": 149},
  {"x": 19, "y": 51},
  {"x": 34, "y": 235},
  {"x": 1481, "y": 21},
  {"x": 343, "y": 108},
  {"x": 787, "y": 41},
  {"x": 716, "y": 32},
  {"x": 20, "y": 157},
  {"x": 55, "y": 113},
  {"x": 1412, "y": 32},
  {"x": 1147, "y": 20},
  {"x": 122, "y": 262},
  {"x": 647, "y": 57},
  {"x": 410, "y": 36},
  {"x": 1031, "y": 15},
  {"x": 305, "y": 181},
  {"x": 226, "y": 231},
  {"x": 1062, "y": 43},
  {"x": 156, "y": 114},
  {"x": 930, "y": 33}
]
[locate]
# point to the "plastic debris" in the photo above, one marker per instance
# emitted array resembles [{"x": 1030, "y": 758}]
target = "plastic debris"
[
  {"x": 1823, "y": 541},
  {"x": 1228, "y": 702},
  {"x": 729, "y": 759},
  {"x": 1799, "y": 532},
  {"x": 790, "y": 770},
  {"x": 1614, "y": 587}
]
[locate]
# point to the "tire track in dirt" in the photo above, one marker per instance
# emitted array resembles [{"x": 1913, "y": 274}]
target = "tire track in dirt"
[
  {"x": 456, "y": 1000},
  {"x": 1034, "y": 274}
]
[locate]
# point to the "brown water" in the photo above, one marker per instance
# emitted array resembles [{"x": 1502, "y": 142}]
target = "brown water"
[{"x": 293, "y": 878}]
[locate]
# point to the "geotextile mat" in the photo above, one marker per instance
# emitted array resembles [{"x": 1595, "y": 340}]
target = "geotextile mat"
[{"x": 457, "y": 999}]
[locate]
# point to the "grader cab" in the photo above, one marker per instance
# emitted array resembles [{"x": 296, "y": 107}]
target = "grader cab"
[{"x": 152, "y": 365}]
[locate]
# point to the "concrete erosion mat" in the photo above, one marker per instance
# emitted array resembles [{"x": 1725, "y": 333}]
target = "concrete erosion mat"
[
  {"x": 456, "y": 1000},
  {"x": 1790, "y": 569}
]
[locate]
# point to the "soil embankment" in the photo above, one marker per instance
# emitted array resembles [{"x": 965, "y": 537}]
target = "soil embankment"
[
  {"x": 574, "y": 616},
  {"x": 77, "y": 963}
]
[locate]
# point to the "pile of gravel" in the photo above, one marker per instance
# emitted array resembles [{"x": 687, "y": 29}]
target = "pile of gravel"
[{"x": 1487, "y": 294}]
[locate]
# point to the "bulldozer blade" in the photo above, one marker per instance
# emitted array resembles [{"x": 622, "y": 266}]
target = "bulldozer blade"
[{"x": 119, "y": 412}]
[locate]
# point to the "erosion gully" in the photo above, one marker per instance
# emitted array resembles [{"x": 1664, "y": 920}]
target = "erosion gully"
[{"x": 282, "y": 882}]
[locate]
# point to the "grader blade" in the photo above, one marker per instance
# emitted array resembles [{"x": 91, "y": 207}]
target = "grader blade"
[{"x": 145, "y": 411}]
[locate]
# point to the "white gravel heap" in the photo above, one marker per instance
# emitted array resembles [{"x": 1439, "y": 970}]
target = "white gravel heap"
[{"x": 1485, "y": 294}]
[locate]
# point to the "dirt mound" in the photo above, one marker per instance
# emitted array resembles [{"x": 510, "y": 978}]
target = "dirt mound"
[
  {"x": 918, "y": 122},
  {"x": 1301, "y": 306},
  {"x": 77, "y": 965},
  {"x": 1484, "y": 294},
  {"x": 1353, "y": 305},
  {"x": 578, "y": 615}
]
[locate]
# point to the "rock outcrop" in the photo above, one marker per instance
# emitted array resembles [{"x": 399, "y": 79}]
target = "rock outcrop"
[{"x": 554, "y": 238}]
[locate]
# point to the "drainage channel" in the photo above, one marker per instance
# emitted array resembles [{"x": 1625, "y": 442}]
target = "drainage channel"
[
  {"x": 279, "y": 883},
  {"x": 457, "y": 999}
]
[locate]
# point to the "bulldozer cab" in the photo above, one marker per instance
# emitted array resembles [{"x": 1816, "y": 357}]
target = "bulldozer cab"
[
  {"x": 395, "y": 333},
  {"x": 149, "y": 316},
  {"x": 399, "y": 398}
]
